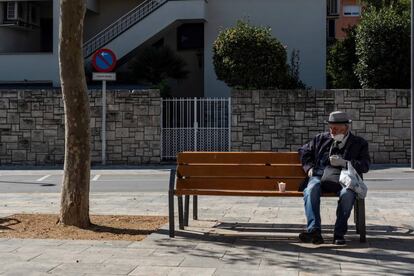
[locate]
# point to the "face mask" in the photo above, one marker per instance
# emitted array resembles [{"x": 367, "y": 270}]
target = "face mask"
[{"x": 338, "y": 137}]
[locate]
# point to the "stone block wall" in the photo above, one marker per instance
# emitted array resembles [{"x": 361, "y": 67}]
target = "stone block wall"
[
  {"x": 284, "y": 120},
  {"x": 32, "y": 127}
]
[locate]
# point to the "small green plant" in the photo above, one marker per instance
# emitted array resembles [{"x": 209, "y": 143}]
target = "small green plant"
[{"x": 165, "y": 89}]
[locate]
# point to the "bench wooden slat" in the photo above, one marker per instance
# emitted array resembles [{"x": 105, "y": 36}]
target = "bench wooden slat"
[
  {"x": 243, "y": 193},
  {"x": 292, "y": 184},
  {"x": 238, "y": 158},
  {"x": 257, "y": 171}
]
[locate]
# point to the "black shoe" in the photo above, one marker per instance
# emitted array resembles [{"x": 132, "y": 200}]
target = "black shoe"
[
  {"x": 339, "y": 240},
  {"x": 314, "y": 236},
  {"x": 305, "y": 237}
]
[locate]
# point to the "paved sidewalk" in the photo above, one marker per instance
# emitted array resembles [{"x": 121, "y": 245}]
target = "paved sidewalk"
[{"x": 234, "y": 236}]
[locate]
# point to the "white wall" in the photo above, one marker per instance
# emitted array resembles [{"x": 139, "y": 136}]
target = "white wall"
[{"x": 298, "y": 24}]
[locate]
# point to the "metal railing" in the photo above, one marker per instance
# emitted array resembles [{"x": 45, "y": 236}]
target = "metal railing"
[
  {"x": 194, "y": 124},
  {"x": 121, "y": 25}
]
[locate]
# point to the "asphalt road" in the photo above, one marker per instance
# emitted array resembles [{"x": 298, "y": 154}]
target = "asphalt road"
[
  {"x": 49, "y": 181},
  {"x": 101, "y": 181}
]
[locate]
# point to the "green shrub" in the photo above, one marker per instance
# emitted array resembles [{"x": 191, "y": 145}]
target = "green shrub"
[
  {"x": 341, "y": 62},
  {"x": 398, "y": 5},
  {"x": 248, "y": 57},
  {"x": 383, "y": 49},
  {"x": 157, "y": 64}
]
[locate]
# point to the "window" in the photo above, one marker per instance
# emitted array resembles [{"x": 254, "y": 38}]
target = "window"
[
  {"x": 333, "y": 7},
  {"x": 353, "y": 10},
  {"x": 12, "y": 10}
]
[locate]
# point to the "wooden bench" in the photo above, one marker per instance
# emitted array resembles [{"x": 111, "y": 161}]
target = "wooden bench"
[{"x": 239, "y": 174}]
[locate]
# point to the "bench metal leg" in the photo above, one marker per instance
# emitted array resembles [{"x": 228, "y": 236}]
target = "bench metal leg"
[
  {"x": 361, "y": 220},
  {"x": 186, "y": 209},
  {"x": 180, "y": 212},
  {"x": 171, "y": 202},
  {"x": 195, "y": 207},
  {"x": 356, "y": 211},
  {"x": 171, "y": 212}
]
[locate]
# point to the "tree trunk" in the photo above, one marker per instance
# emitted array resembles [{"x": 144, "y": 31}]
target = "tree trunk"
[{"x": 74, "y": 208}]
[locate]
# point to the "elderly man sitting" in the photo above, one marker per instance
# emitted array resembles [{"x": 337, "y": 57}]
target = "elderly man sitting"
[{"x": 327, "y": 151}]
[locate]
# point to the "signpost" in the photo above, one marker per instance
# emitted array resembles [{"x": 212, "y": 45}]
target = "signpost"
[{"x": 104, "y": 61}]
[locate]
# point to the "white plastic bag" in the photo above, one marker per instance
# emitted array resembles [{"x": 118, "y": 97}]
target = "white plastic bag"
[{"x": 350, "y": 179}]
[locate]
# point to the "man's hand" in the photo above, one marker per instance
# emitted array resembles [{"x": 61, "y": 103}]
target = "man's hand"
[
  {"x": 337, "y": 161},
  {"x": 310, "y": 172}
]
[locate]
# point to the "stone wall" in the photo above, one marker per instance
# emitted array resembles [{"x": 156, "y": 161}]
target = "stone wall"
[
  {"x": 284, "y": 120},
  {"x": 32, "y": 127}
]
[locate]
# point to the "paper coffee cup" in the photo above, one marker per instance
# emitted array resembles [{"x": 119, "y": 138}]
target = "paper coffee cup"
[{"x": 282, "y": 187}]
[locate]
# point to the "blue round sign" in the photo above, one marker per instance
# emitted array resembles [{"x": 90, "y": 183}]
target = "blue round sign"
[{"x": 104, "y": 60}]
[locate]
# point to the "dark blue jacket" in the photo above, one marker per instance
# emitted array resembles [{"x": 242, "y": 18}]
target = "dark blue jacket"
[{"x": 356, "y": 151}]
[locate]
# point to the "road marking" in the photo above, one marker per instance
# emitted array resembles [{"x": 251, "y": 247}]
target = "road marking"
[
  {"x": 43, "y": 178},
  {"x": 96, "y": 177}
]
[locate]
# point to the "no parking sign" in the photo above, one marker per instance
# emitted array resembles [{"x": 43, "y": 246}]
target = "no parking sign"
[{"x": 104, "y": 60}]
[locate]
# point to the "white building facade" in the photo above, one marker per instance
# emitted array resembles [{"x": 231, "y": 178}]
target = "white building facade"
[{"x": 29, "y": 35}]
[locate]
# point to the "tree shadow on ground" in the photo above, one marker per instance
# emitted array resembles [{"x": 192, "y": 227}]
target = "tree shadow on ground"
[
  {"x": 5, "y": 223},
  {"x": 373, "y": 230},
  {"x": 116, "y": 230},
  {"x": 388, "y": 250}
]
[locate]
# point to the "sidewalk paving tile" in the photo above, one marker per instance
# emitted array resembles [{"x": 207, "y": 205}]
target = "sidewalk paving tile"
[
  {"x": 7, "y": 258},
  {"x": 26, "y": 268},
  {"x": 172, "y": 261},
  {"x": 69, "y": 257},
  {"x": 33, "y": 242},
  {"x": 186, "y": 252},
  {"x": 252, "y": 272},
  {"x": 150, "y": 270},
  {"x": 8, "y": 248},
  {"x": 204, "y": 261},
  {"x": 103, "y": 269},
  {"x": 119, "y": 252},
  {"x": 191, "y": 271},
  {"x": 60, "y": 249}
]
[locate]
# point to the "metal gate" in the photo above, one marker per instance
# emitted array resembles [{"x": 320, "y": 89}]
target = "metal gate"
[{"x": 194, "y": 124}]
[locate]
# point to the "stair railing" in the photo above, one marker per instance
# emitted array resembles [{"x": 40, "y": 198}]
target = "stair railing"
[{"x": 121, "y": 25}]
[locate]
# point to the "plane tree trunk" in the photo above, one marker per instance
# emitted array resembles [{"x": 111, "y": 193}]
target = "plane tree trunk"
[{"x": 74, "y": 208}]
